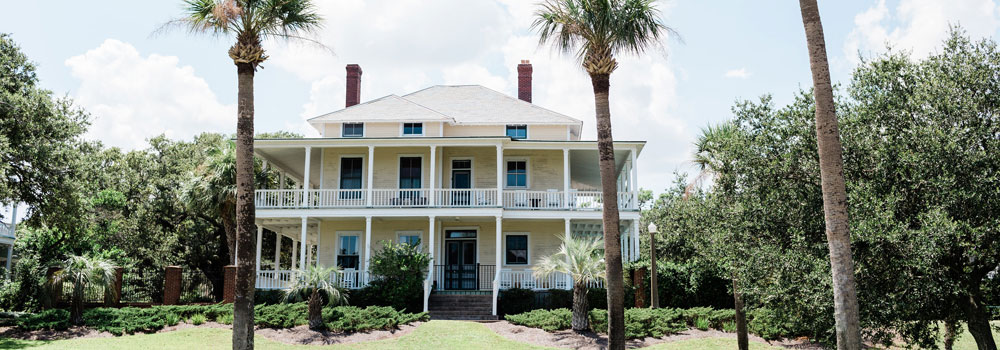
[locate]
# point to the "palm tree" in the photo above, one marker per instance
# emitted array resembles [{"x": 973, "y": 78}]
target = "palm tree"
[
  {"x": 83, "y": 271},
  {"x": 250, "y": 22},
  {"x": 581, "y": 260},
  {"x": 213, "y": 189},
  {"x": 596, "y": 31},
  {"x": 313, "y": 284},
  {"x": 707, "y": 147},
  {"x": 831, "y": 171}
]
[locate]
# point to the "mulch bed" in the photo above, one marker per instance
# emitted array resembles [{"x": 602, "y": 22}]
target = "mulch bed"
[{"x": 593, "y": 341}]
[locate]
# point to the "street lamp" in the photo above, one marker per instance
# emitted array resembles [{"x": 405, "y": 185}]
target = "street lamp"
[{"x": 654, "y": 296}]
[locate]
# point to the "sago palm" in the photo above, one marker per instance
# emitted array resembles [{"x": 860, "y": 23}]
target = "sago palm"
[
  {"x": 250, "y": 22},
  {"x": 580, "y": 259},
  {"x": 597, "y": 31},
  {"x": 313, "y": 284},
  {"x": 81, "y": 272}
]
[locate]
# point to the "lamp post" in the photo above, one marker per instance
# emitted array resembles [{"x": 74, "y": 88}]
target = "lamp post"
[{"x": 654, "y": 296}]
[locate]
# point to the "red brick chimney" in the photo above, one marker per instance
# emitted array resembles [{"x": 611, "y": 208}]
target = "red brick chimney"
[
  {"x": 524, "y": 81},
  {"x": 353, "y": 85}
]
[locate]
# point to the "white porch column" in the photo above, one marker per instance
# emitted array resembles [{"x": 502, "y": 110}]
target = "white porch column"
[
  {"x": 319, "y": 239},
  {"x": 371, "y": 176},
  {"x": 430, "y": 249},
  {"x": 433, "y": 191},
  {"x": 281, "y": 179},
  {"x": 305, "y": 185},
  {"x": 368, "y": 241},
  {"x": 260, "y": 237},
  {"x": 635, "y": 240},
  {"x": 277, "y": 250},
  {"x": 499, "y": 182},
  {"x": 295, "y": 256},
  {"x": 499, "y": 262},
  {"x": 635, "y": 181},
  {"x": 302, "y": 253},
  {"x": 566, "y": 179},
  {"x": 567, "y": 235}
]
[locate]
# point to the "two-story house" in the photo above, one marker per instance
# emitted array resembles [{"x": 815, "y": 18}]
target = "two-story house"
[{"x": 485, "y": 183}]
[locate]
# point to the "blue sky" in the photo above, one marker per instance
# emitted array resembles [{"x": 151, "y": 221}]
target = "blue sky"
[{"x": 139, "y": 82}]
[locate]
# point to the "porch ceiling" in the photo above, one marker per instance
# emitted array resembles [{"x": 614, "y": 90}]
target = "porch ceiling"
[{"x": 585, "y": 170}]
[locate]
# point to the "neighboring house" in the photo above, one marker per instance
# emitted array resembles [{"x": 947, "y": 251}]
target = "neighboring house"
[
  {"x": 7, "y": 241},
  {"x": 487, "y": 184}
]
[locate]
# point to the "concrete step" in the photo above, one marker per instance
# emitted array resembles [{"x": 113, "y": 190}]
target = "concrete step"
[{"x": 462, "y": 317}]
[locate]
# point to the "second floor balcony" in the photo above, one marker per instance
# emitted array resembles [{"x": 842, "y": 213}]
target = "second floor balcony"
[{"x": 437, "y": 198}]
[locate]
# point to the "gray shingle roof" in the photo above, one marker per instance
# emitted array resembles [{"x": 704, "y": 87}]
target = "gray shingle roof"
[{"x": 457, "y": 104}]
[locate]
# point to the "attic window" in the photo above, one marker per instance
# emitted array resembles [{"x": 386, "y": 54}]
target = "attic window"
[
  {"x": 411, "y": 129},
  {"x": 354, "y": 130},
  {"x": 517, "y": 132}
]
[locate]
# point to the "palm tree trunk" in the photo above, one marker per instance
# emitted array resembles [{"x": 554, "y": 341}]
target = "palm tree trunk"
[
  {"x": 315, "y": 310},
  {"x": 245, "y": 228},
  {"x": 580, "y": 322},
  {"x": 978, "y": 320},
  {"x": 742, "y": 339},
  {"x": 654, "y": 289},
  {"x": 831, "y": 166},
  {"x": 76, "y": 311},
  {"x": 609, "y": 198},
  {"x": 228, "y": 219}
]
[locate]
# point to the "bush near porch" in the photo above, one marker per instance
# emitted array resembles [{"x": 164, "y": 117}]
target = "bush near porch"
[
  {"x": 645, "y": 322},
  {"x": 519, "y": 300},
  {"x": 130, "y": 320}
]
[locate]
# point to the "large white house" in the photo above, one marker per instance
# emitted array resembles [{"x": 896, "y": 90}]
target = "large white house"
[{"x": 486, "y": 183}]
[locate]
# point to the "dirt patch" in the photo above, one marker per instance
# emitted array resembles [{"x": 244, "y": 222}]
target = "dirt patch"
[
  {"x": 591, "y": 340},
  {"x": 305, "y": 336},
  {"x": 71, "y": 333}
]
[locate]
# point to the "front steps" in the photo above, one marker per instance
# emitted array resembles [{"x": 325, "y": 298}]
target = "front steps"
[{"x": 461, "y": 307}]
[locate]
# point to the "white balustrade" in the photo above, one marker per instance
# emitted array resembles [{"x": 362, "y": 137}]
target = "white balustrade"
[
  {"x": 400, "y": 198},
  {"x": 338, "y": 198},
  {"x": 271, "y": 279},
  {"x": 283, "y": 279},
  {"x": 443, "y": 198},
  {"x": 521, "y": 199},
  {"x": 465, "y": 197},
  {"x": 526, "y": 279}
]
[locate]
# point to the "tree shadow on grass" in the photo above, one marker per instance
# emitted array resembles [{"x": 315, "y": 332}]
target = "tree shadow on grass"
[{"x": 8, "y": 343}]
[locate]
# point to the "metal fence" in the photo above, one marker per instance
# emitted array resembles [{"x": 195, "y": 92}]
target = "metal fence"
[
  {"x": 196, "y": 287},
  {"x": 92, "y": 293},
  {"x": 142, "y": 286}
]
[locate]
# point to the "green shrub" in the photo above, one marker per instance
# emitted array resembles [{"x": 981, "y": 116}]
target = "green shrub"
[
  {"x": 198, "y": 319},
  {"x": 702, "y": 324},
  {"x": 268, "y": 296},
  {"x": 768, "y": 324},
  {"x": 549, "y": 320},
  {"x": 515, "y": 301},
  {"x": 598, "y": 320},
  {"x": 354, "y": 319},
  {"x": 285, "y": 315},
  {"x": 172, "y": 319},
  {"x": 729, "y": 326},
  {"x": 225, "y": 319},
  {"x": 398, "y": 273},
  {"x": 54, "y": 319},
  {"x": 127, "y": 320}
]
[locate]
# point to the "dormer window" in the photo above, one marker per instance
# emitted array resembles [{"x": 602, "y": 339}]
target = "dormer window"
[
  {"x": 353, "y": 130},
  {"x": 517, "y": 132},
  {"x": 413, "y": 129}
]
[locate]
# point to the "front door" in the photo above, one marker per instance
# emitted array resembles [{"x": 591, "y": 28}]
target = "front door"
[{"x": 460, "y": 270}]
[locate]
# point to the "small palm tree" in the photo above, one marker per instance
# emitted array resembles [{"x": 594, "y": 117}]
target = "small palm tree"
[
  {"x": 83, "y": 271},
  {"x": 580, "y": 259},
  {"x": 313, "y": 284},
  {"x": 597, "y": 31}
]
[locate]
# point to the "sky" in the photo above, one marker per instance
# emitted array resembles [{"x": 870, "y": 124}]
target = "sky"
[{"x": 139, "y": 78}]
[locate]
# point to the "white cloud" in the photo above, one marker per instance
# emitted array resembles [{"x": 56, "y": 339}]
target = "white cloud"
[
  {"x": 133, "y": 98},
  {"x": 741, "y": 73},
  {"x": 918, "y": 26}
]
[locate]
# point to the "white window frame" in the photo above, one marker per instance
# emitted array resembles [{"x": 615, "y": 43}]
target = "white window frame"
[
  {"x": 364, "y": 130},
  {"x": 527, "y": 131},
  {"x": 527, "y": 172},
  {"x": 364, "y": 169},
  {"x": 423, "y": 170},
  {"x": 472, "y": 169},
  {"x": 418, "y": 233},
  {"x": 528, "y": 247},
  {"x": 336, "y": 252},
  {"x": 402, "y": 128}
]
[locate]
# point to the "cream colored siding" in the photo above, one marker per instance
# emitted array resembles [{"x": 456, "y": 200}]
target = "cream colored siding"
[
  {"x": 432, "y": 129},
  {"x": 330, "y": 239},
  {"x": 331, "y": 165},
  {"x": 545, "y": 168},
  {"x": 544, "y": 238},
  {"x": 484, "y": 165},
  {"x": 332, "y": 129},
  {"x": 473, "y": 130},
  {"x": 387, "y": 165},
  {"x": 547, "y": 132},
  {"x": 382, "y": 130}
]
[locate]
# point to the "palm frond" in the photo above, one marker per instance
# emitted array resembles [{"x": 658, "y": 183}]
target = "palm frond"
[
  {"x": 580, "y": 258},
  {"x": 316, "y": 278}
]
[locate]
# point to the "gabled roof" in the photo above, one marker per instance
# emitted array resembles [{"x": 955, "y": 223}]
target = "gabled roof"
[
  {"x": 456, "y": 104},
  {"x": 389, "y": 108}
]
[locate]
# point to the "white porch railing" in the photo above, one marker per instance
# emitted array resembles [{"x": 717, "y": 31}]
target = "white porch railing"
[
  {"x": 526, "y": 279},
  {"x": 442, "y": 197},
  {"x": 282, "y": 279}
]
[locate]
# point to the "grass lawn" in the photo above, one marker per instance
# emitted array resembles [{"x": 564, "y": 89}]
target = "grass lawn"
[{"x": 436, "y": 335}]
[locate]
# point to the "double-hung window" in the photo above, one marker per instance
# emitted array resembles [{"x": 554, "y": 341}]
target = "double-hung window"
[
  {"x": 517, "y": 131},
  {"x": 350, "y": 177},
  {"x": 517, "y": 249},
  {"x": 353, "y": 130},
  {"x": 409, "y": 178},
  {"x": 517, "y": 173},
  {"x": 347, "y": 254},
  {"x": 413, "y": 129}
]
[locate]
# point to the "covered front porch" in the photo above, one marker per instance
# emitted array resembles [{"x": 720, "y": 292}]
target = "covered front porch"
[{"x": 463, "y": 249}]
